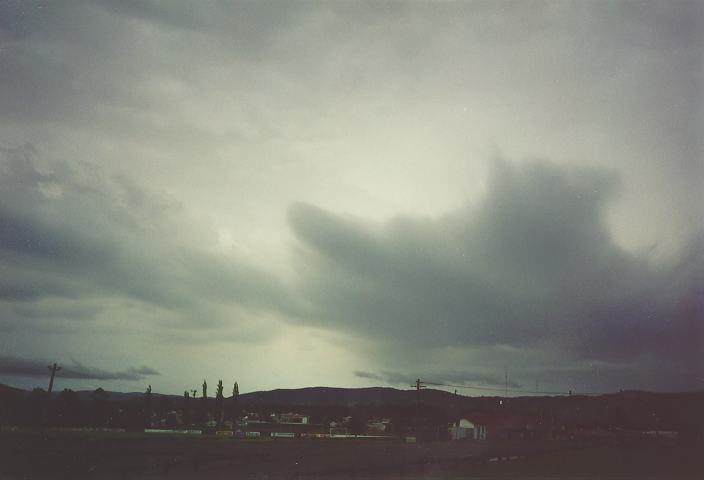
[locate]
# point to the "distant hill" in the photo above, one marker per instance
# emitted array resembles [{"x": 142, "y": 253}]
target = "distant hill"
[
  {"x": 627, "y": 409},
  {"x": 6, "y": 390},
  {"x": 331, "y": 396},
  {"x": 312, "y": 396},
  {"x": 112, "y": 396},
  {"x": 308, "y": 396},
  {"x": 340, "y": 396},
  {"x": 298, "y": 396}
]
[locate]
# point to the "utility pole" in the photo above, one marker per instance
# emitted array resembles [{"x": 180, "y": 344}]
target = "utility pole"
[
  {"x": 54, "y": 368},
  {"x": 419, "y": 385},
  {"x": 148, "y": 407},
  {"x": 506, "y": 378},
  {"x": 455, "y": 411},
  {"x": 46, "y": 407}
]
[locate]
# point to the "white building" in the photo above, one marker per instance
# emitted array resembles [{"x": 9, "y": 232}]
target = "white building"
[{"x": 463, "y": 430}]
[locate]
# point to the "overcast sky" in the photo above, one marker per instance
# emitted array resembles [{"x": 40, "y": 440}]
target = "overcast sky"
[{"x": 294, "y": 194}]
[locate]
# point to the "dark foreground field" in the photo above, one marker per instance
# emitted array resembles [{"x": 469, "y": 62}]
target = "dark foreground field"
[{"x": 74, "y": 456}]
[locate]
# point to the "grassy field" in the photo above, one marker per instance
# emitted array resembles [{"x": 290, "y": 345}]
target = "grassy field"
[{"x": 137, "y": 456}]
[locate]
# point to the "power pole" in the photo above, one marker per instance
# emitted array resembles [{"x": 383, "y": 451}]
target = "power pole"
[
  {"x": 419, "y": 386},
  {"x": 148, "y": 407},
  {"x": 46, "y": 411},
  {"x": 506, "y": 378},
  {"x": 455, "y": 411},
  {"x": 54, "y": 368}
]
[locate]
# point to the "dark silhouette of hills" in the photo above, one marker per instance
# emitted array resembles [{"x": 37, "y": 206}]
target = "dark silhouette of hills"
[
  {"x": 295, "y": 396},
  {"x": 6, "y": 390},
  {"x": 310, "y": 396},
  {"x": 343, "y": 396},
  {"x": 627, "y": 409},
  {"x": 606, "y": 404}
]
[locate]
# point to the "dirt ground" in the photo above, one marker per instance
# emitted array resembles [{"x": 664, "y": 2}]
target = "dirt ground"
[{"x": 75, "y": 456}]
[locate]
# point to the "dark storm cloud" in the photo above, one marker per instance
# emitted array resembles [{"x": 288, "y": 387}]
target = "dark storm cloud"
[
  {"x": 390, "y": 377},
  {"x": 143, "y": 370},
  {"x": 53, "y": 314},
  {"x": 23, "y": 367},
  {"x": 532, "y": 265},
  {"x": 171, "y": 13},
  {"x": 239, "y": 108},
  {"x": 72, "y": 231},
  {"x": 95, "y": 64}
]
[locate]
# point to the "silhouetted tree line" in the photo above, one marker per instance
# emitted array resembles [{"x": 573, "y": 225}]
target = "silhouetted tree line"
[
  {"x": 63, "y": 409},
  {"x": 629, "y": 410},
  {"x": 68, "y": 409}
]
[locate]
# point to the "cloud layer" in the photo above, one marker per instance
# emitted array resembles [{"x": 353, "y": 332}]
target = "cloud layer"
[
  {"x": 531, "y": 265},
  {"x": 74, "y": 232},
  {"x": 241, "y": 188},
  {"x": 23, "y": 367}
]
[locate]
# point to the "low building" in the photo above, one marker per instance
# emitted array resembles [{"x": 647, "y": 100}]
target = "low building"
[
  {"x": 378, "y": 427},
  {"x": 462, "y": 430},
  {"x": 293, "y": 418},
  {"x": 337, "y": 430},
  {"x": 297, "y": 428},
  {"x": 495, "y": 426}
]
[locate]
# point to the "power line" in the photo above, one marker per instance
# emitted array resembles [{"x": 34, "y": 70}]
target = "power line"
[
  {"x": 506, "y": 390},
  {"x": 419, "y": 385},
  {"x": 492, "y": 389}
]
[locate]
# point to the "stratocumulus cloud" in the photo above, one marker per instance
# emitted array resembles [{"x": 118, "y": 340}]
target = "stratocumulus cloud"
[
  {"x": 532, "y": 265},
  {"x": 24, "y": 367},
  {"x": 241, "y": 189},
  {"x": 75, "y": 235}
]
